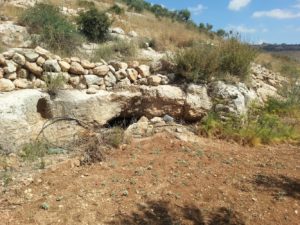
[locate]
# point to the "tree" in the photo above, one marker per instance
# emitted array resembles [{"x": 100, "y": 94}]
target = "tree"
[
  {"x": 221, "y": 33},
  {"x": 184, "y": 15}
]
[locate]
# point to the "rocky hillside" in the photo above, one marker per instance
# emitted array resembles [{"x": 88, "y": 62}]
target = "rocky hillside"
[{"x": 97, "y": 92}]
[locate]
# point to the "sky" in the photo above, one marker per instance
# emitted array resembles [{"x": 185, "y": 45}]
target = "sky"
[{"x": 258, "y": 21}]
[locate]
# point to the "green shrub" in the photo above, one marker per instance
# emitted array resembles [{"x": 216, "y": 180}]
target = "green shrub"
[
  {"x": 117, "y": 9},
  {"x": 197, "y": 63},
  {"x": 118, "y": 49},
  {"x": 94, "y": 25},
  {"x": 236, "y": 58},
  {"x": 202, "y": 62},
  {"x": 52, "y": 27}
]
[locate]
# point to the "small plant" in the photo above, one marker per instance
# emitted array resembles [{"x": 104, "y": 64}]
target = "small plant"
[
  {"x": 117, "y": 9},
  {"x": 52, "y": 27},
  {"x": 6, "y": 177},
  {"x": 94, "y": 25},
  {"x": 54, "y": 82},
  {"x": 34, "y": 150},
  {"x": 115, "y": 137}
]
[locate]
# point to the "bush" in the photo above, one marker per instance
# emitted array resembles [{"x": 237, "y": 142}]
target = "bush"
[
  {"x": 236, "y": 58},
  {"x": 117, "y": 49},
  {"x": 94, "y": 25},
  {"x": 52, "y": 27},
  {"x": 117, "y": 9},
  {"x": 197, "y": 63},
  {"x": 202, "y": 62}
]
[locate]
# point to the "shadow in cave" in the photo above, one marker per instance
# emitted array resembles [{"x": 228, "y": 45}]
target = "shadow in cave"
[
  {"x": 162, "y": 213},
  {"x": 282, "y": 184}
]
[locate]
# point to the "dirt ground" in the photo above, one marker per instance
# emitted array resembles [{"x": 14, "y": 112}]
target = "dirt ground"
[{"x": 161, "y": 180}]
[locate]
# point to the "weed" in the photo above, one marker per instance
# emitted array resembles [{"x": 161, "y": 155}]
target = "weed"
[
  {"x": 6, "y": 177},
  {"x": 115, "y": 137},
  {"x": 34, "y": 150},
  {"x": 54, "y": 82}
]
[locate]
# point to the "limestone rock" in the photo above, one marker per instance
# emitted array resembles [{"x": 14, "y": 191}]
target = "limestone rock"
[
  {"x": 65, "y": 66},
  {"x": 132, "y": 74},
  {"x": 11, "y": 67},
  {"x": 19, "y": 59},
  {"x": 51, "y": 65},
  {"x": 43, "y": 52},
  {"x": 101, "y": 70},
  {"x": 76, "y": 68},
  {"x": 119, "y": 65},
  {"x": 143, "y": 70},
  {"x": 40, "y": 61},
  {"x": 93, "y": 80},
  {"x": 117, "y": 30},
  {"x": 198, "y": 103},
  {"x": 34, "y": 68},
  {"x": 11, "y": 76},
  {"x": 21, "y": 83},
  {"x": 154, "y": 80},
  {"x": 31, "y": 56},
  {"x": 87, "y": 65},
  {"x": 110, "y": 80},
  {"x": 2, "y": 60},
  {"x": 6, "y": 85}
]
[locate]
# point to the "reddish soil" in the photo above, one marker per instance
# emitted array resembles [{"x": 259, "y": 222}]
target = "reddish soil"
[{"x": 164, "y": 181}]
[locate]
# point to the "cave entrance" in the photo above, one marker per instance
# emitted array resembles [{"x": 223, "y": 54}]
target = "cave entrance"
[{"x": 121, "y": 121}]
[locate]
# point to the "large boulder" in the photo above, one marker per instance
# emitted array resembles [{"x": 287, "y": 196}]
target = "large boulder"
[{"x": 20, "y": 120}]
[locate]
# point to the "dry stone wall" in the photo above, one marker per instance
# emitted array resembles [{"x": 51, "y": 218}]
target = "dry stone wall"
[{"x": 30, "y": 68}]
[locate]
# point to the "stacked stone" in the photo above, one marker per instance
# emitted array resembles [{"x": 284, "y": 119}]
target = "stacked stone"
[
  {"x": 29, "y": 68},
  {"x": 261, "y": 75}
]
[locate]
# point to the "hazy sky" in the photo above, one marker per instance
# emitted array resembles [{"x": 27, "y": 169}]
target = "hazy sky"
[{"x": 272, "y": 21}]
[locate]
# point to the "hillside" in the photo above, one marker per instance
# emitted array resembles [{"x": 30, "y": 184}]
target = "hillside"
[{"x": 125, "y": 112}]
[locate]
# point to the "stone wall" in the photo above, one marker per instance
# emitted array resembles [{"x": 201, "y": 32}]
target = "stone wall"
[{"x": 29, "y": 68}]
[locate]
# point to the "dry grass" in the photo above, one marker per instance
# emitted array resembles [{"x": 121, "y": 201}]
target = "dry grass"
[
  {"x": 275, "y": 63},
  {"x": 168, "y": 35},
  {"x": 11, "y": 11}
]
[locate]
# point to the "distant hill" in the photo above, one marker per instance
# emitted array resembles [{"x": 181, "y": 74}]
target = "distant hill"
[{"x": 279, "y": 47}]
